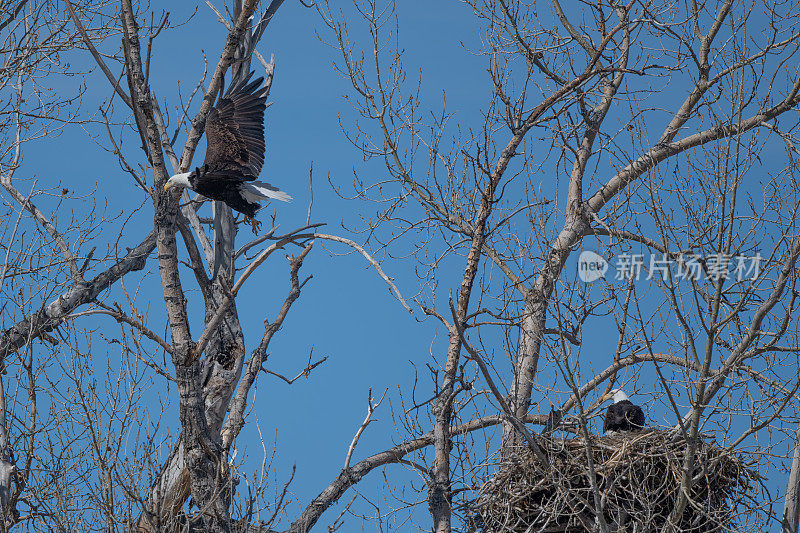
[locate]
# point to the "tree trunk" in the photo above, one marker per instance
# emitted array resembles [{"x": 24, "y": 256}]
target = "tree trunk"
[
  {"x": 791, "y": 505},
  {"x": 439, "y": 493},
  {"x": 533, "y": 322},
  {"x": 530, "y": 341}
]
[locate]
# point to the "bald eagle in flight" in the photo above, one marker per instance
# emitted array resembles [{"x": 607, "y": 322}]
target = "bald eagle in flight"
[
  {"x": 622, "y": 415},
  {"x": 234, "y": 153}
]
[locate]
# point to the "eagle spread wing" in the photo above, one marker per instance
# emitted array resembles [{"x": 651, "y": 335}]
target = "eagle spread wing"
[{"x": 235, "y": 132}]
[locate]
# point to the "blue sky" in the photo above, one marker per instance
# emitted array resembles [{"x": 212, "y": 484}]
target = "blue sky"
[{"x": 346, "y": 312}]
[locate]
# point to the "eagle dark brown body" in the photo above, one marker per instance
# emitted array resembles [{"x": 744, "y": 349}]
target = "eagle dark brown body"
[
  {"x": 234, "y": 152},
  {"x": 622, "y": 415}
]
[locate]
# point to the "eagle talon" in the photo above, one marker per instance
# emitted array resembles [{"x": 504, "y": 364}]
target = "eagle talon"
[{"x": 254, "y": 224}]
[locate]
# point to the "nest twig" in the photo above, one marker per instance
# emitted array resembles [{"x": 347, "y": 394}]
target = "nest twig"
[{"x": 638, "y": 476}]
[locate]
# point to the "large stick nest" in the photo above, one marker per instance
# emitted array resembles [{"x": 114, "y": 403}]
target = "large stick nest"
[{"x": 638, "y": 476}]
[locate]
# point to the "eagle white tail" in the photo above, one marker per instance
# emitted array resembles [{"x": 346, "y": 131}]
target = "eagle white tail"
[{"x": 255, "y": 191}]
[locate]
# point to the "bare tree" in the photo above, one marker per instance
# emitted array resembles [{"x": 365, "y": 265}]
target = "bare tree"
[
  {"x": 95, "y": 480},
  {"x": 653, "y": 133},
  {"x": 60, "y": 476},
  {"x": 580, "y": 147}
]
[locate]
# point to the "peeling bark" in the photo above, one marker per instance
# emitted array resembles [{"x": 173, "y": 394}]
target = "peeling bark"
[{"x": 218, "y": 372}]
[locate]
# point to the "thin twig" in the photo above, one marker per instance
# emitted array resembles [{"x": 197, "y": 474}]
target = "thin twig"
[
  {"x": 310, "y": 191},
  {"x": 302, "y": 373},
  {"x": 370, "y": 409},
  {"x": 97, "y": 57},
  {"x": 371, "y": 260},
  {"x": 509, "y": 415}
]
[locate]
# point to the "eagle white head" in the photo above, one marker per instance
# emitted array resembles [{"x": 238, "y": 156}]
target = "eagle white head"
[
  {"x": 178, "y": 180},
  {"x": 618, "y": 395}
]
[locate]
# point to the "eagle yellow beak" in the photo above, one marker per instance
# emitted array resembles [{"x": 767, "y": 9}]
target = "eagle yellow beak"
[{"x": 167, "y": 186}]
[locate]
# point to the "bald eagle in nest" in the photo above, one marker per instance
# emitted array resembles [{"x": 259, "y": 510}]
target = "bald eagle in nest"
[
  {"x": 622, "y": 415},
  {"x": 234, "y": 153}
]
